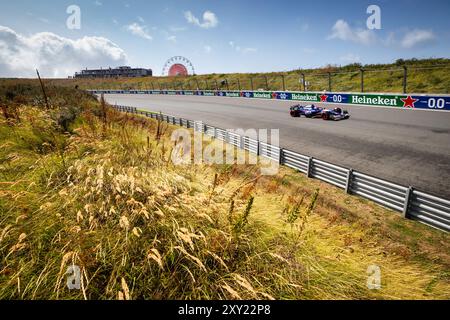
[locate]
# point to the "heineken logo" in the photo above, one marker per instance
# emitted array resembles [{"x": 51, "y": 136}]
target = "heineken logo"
[
  {"x": 206, "y": 93},
  {"x": 263, "y": 95},
  {"x": 171, "y": 92},
  {"x": 304, "y": 97},
  {"x": 188, "y": 93},
  {"x": 375, "y": 100},
  {"x": 232, "y": 94}
]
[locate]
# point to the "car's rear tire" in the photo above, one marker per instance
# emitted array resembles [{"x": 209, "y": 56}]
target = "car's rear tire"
[{"x": 325, "y": 116}]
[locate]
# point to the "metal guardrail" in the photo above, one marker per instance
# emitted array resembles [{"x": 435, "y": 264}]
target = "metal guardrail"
[{"x": 413, "y": 204}]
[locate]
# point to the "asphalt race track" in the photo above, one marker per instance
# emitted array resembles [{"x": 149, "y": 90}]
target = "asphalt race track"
[{"x": 409, "y": 147}]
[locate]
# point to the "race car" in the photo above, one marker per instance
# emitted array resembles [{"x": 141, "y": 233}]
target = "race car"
[
  {"x": 309, "y": 111},
  {"x": 312, "y": 111},
  {"x": 335, "y": 114}
]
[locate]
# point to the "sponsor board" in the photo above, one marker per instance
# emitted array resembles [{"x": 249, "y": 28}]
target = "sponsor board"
[
  {"x": 262, "y": 95},
  {"x": 382, "y": 100},
  {"x": 233, "y": 94},
  {"x": 305, "y": 97}
]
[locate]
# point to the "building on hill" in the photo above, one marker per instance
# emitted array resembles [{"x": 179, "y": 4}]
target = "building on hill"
[{"x": 119, "y": 72}]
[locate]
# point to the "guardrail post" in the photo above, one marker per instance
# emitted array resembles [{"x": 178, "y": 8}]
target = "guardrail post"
[
  {"x": 281, "y": 156},
  {"x": 407, "y": 201},
  {"x": 309, "y": 169},
  {"x": 348, "y": 184},
  {"x": 258, "y": 147}
]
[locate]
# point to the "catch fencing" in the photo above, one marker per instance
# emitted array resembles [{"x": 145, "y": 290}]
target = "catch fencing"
[{"x": 411, "y": 203}]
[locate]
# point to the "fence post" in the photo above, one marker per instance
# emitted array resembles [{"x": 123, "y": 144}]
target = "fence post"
[
  {"x": 309, "y": 169},
  {"x": 251, "y": 83},
  {"x": 329, "y": 81},
  {"x": 303, "y": 82},
  {"x": 348, "y": 184},
  {"x": 267, "y": 83},
  {"x": 407, "y": 201},
  {"x": 284, "y": 83},
  {"x": 239, "y": 84},
  {"x": 281, "y": 156},
  {"x": 362, "y": 79},
  {"x": 228, "y": 86},
  {"x": 405, "y": 78}
]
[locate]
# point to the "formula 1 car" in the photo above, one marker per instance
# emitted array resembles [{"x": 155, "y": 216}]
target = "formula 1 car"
[
  {"x": 311, "y": 111},
  {"x": 335, "y": 114}
]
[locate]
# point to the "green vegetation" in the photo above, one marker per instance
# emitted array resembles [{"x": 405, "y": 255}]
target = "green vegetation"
[
  {"x": 423, "y": 76},
  {"x": 99, "y": 191}
]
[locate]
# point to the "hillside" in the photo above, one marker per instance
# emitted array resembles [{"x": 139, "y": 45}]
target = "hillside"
[
  {"x": 83, "y": 185},
  {"x": 423, "y": 76}
]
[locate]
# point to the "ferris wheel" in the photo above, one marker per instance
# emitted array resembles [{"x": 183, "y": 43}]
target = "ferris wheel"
[{"x": 178, "y": 66}]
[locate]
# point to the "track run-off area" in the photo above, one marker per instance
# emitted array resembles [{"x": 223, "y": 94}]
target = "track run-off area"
[{"x": 409, "y": 147}]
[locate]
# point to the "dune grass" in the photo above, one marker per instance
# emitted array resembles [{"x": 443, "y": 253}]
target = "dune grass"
[
  {"x": 424, "y": 76},
  {"x": 103, "y": 195}
]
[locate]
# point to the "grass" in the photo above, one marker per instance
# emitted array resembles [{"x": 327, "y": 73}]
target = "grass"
[
  {"x": 105, "y": 196},
  {"x": 424, "y": 76}
]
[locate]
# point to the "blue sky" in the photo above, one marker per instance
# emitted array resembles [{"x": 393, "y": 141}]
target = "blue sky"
[{"x": 233, "y": 36}]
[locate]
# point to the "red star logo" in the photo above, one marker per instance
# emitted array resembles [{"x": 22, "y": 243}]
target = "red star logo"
[
  {"x": 274, "y": 95},
  {"x": 409, "y": 102},
  {"x": 242, "y": 94},
  {"x": 323, "y": 98}
]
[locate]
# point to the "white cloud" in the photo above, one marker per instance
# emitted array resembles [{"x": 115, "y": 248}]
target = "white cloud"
[
  {"x": 115, "y": 21},
  {"x": 342, "y": 31},
  {"x": 305, "y": 27},
  {"x": 172, "y": 39},
  {"x": 209, "y": 19},
  {"x": 207, "y": 49},
  {"x": 416, "y": 38},
  {"x": 177, "y": 29},
  {"x": 309, "y": 50},
  {"x": 141, "y": 19},
  {"x": 249, "y": 50},
  {"x": 53, "y": 55},
  {"x": 241, "y": 50},
  {"x": 98, "y": 3},
  {"x": 139, "y": 30},
  {"x": 351, "y": 58}
]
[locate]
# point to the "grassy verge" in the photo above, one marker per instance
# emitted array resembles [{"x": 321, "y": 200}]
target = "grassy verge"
[
  {"x": 103, "y": 195},
  {"x": 424, "y": 76}
]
